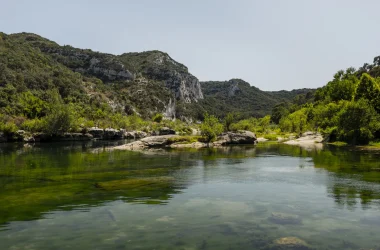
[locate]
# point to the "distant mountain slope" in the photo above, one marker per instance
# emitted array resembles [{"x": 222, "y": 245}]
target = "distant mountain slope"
[
  {"x": 237, "y": 95},
  {"x": 146, "y": 83}
]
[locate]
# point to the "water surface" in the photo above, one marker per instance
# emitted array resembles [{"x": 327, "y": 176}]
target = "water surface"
[{"x": 82, "y": 196}]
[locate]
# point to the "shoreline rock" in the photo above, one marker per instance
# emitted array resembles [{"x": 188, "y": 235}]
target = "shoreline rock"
[
  {"x": 308, "y": 140},
  {"x": 163, "y": 141}
]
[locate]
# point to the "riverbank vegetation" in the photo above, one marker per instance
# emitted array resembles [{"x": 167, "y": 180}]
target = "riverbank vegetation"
[{"x": 347, "y": 109}]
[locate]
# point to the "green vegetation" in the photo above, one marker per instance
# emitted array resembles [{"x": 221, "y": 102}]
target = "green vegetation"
[
  {"x": 347, "y": 109},
  {"x": 45, "y": 87},
  {"x": 158, "y": 118},
  {"x": 237, "y": 96},
  {"x": 211, "y": 128}
]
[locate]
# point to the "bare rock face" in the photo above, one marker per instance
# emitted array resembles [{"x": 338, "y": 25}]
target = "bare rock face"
[
  {"x": 184, "y": 85},
  {"x": 113, "y": 70},
  {"x": 239, "y": 137},
  {"x": 293, "y": 243}
]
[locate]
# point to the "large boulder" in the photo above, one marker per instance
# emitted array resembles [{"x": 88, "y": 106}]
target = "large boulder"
[
  {"x": 135, "y": 134},
  {"x": 75, "y": 137},
  {"x": 97, "y": 133},
  {"x": 293, "y": 243},
  {"x": 113, "y": 134},
  {"x": 106, "y": 134},
  {"x": 148, "y": 142},
  {"x": 238, "y": 137}
]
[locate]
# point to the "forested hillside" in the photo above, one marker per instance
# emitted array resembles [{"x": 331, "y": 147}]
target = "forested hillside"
[
  {"x": 48, "y": 87},
  {"x": 239, "y": 96},
  {"x": 346, "y": 109}
]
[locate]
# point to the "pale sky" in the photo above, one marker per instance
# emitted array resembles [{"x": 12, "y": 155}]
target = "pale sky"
[{"x": 272, "y": 44}]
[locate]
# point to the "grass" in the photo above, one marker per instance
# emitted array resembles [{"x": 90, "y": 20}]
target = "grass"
[
  {"x": 338, "y": 143},
  {"x": 185, "y": 139},
  {"x": 375, "y": 144}
]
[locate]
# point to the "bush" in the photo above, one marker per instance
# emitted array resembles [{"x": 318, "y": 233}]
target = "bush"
[
  {"x": 8, "y": 128},
  {"x": 184, "y": 139},
  {"x": 211, "y": 127},
  {"x": 59, "y": 121},
  {"x": 158, "y": 118},
  {"x": 271, "y": 137},
  {"x": 35, "y": 125}
]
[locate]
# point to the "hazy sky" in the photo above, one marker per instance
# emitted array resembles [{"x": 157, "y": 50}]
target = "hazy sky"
[{"x": 272, "y": 44}]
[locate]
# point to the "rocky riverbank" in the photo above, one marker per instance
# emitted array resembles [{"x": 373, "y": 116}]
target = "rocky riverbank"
[
  {"x": 88, "y": 134},
  {"x": 174, "y": 141}
]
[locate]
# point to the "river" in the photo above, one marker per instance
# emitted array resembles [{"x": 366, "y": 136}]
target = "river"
[{"x": 84, "y": 196}]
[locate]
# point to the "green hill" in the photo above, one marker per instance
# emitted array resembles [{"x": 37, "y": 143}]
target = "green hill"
[
  {"x": 40, "y": 79},
  {"x": 237, "y": 95}
]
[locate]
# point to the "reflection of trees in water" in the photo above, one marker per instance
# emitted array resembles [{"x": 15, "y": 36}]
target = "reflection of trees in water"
[
  {"x": 350, "y": 196},
  {"x": 355, "y": 176},
  {"x": 46, "y": 177}
]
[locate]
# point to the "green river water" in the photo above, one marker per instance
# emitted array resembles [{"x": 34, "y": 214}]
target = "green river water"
[{"x": 83, "y": 196}]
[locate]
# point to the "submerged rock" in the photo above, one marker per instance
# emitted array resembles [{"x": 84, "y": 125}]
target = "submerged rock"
[
  {"x": 284, "y": 219},
  {"x": 293, "y": 243}
]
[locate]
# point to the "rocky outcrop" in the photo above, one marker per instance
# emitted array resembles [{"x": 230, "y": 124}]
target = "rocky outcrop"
[
  {"x": 110, "y": 70},
  {"x": 184, "y": 85},
  {"x": 308, "y": 140},
  {"x": 166, "y": 131},
  {"x": 239, "y": 137},
  {"x": 113, "y": 134},
  {"x": 42, "y": 137},
  {"x": 106, "y": 134},
  {"x": 135, "y": 134},
  {"x": 293, "y": 243},
  {"x": 161, "y": 141}
]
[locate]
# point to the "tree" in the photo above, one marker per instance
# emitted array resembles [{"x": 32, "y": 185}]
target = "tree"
[
  {"x": 264, "y": 123},
  {"x": 358, "y": 122},
  {"x": 211, "y": 127},
  {"x": 279, "y": 111},
  {"x": 230, "y": 118},
  {"x": 369, "y": 89},
  {"x": 59, "y": 121}
]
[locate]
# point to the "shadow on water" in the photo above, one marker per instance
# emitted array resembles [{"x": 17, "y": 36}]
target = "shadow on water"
[{"x": 38, "y": 179}]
